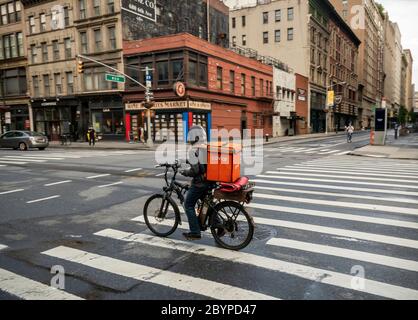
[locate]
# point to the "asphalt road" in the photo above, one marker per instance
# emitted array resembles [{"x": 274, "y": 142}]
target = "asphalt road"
[{"x": 325, "y": 221}]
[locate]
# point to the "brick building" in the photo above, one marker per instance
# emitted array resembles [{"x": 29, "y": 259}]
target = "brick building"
[{"x": 224, "y": 90}]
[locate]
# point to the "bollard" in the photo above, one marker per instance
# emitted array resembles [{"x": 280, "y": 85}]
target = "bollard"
[{"x": 267, "y": 137}]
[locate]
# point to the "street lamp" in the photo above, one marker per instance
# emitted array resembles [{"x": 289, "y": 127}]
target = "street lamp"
[{"x": 326, "y": 102}]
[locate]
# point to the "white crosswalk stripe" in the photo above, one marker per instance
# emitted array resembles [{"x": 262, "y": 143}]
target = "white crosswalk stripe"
[
  {"x": 302, "y": 271},
  {"x": 357, "y": 168},
  {"x": 304, "y": 150},
  {"x": 2, "y": 246},
  {"x": 144, "y": 273},
  {"x": 28, "y": 289}
]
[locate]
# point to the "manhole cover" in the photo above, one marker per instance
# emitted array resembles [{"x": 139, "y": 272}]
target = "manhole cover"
[{"x": 263, "y": 233}]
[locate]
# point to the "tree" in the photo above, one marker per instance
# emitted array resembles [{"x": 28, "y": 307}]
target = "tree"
[
  {"x": 412, "y": 116},
  {"x": 402, "y": 115},
  {"x": 381, "y": 9}
]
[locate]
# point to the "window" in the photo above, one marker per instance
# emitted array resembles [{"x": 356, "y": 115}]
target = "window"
[
  {"x": 234, "y": 23},
  {"x": 96, "y": 7},
  {"x": 47, "y": 88},
  {"x": 290, "y": 14},
  {"x": 244, "y": 40},
  {"x": 111, "y": 6},
  {"x": 82, "y": 7},
  {"x": 55, "y": 50},
  {"x": 84, "y": 44},
  {"x": 261, "y": 87},
  {"x": 162, "y": 73},
  {"x": 278, "y": 15},
  {"x": 234, "y": 41},
  {"x": 1, "y": 53},
  {"x": 193, "y": 72},
  {"x": 58, "y": 83},
  {"x": 11, "y": 11},
  {"x": 42, "y": 19},
  {"x": 232, "y": 81},
  {"x": 243, "y": 84},
  {"x": 3, "y": 11},
  {"x": 14, "y": 82},
  {"x": 33, "y": 53},
  {"x": 67, "y": 44},
  {"x": 177, "y": 69},
  {"x": 98, "y": 39},
  {"x": 219, "y": 80},
  {"x": 94, "y": 79},
  {"x": 203, "y": 74},
  {"x": 265, "y": 37},
  {"x": 20, "y": 44},
  {"x": 44, "y": 49},
  {"x": 35, "y": 84},
  {"x": 244, "y": 21},
  {"x": 265, "y": 17},
  {"x": 290, "y": 34},
  {"x": 253, "y": 86},
  {"x": 112, "y": 37},
  {"x": 70, "y": 82},
  {"x": 277, "y": 36},
  {"x": 32, "y": 28},
  {"x": 255, "y": 122},
  {"x": 66, "y": 17}
]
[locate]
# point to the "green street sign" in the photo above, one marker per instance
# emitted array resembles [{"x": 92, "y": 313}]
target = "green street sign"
[{"x": 115, "y": 78}]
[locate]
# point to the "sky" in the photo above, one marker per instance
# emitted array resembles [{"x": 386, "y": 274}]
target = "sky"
[{"x": 404, "y": 12}]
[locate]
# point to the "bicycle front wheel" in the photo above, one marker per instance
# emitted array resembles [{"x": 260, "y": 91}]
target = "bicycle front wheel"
[
  {"x": 231, "y": 225},
  {"x": 161, "y": 215}
]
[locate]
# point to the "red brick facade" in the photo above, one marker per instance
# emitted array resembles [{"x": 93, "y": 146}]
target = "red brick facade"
[
  {"x": 230, "y": 109},
  {"x": 302, "y": 86}
]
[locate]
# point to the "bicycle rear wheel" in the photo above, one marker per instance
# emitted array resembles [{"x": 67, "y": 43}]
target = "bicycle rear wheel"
[
  {"x": 231, "y": 225},
  {"x": 161, "y": 215}
]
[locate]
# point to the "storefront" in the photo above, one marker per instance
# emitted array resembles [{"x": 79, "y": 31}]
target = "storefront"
[
  {"x": 55, "y": 118},
  {"x": 107, "y": 117},
  {"x": 318, "y": 114},
  {"x": 15, "y": 117},
  {"x": 170, "y": 120}
]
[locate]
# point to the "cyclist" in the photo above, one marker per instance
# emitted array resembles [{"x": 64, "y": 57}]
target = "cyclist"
[
  {"x": 199, "y": 186},
  {"x": 349, "y": 129}
]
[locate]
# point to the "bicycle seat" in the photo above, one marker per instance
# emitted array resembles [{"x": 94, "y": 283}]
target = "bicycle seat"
[{"x": 234, "y": 186}]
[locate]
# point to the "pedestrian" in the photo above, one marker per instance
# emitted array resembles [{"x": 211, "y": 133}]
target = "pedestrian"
[
  {"x": 91, "y": 134},
  {"x": 350, "y": 130},
  {"x": 396, "y": 128}
]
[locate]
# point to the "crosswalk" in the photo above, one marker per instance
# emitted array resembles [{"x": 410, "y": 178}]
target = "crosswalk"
[
  {"x": 56, "y": 157},
  {"x": 305, "y": 150},
  {"x": 328, "y": 215}
]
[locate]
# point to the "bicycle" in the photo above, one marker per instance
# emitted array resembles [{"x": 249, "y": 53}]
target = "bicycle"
[
  {"x": 223, "y": 213},
  {"x": 65, "y": 140}
]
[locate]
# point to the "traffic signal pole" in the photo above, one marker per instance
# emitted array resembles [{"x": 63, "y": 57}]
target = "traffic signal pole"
[{"x": 147, "y": 88}]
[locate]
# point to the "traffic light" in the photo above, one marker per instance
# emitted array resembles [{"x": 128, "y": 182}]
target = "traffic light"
[{"x": 80, "y": 66}]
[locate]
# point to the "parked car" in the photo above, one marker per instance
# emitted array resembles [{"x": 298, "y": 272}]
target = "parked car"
[{"x": 23, "y": 140}]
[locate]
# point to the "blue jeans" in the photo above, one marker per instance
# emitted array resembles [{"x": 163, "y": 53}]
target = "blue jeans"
[{"x": 196, "y": 192}]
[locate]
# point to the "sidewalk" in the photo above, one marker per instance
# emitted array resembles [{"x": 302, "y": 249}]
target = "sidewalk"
[
  {"x": 401, "y": 148},
  {"x": 122, "y": 145}
]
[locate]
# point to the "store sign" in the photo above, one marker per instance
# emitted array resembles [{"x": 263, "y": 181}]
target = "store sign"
[
  {"x": 330, "y": 98},
  {"x": 164, "y": 105},
  {"x": 180, "y": 89},
  {"x": 142, "y": 8},
  {"x": 48, "y": 104},
  {"x": 301, "y": 94},
  {"x": 27, "y": 124},
  {"x": 8, "y": 118}
]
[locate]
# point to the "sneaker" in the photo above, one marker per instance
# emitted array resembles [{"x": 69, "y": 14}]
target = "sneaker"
[{"x": 192, "y": 236}]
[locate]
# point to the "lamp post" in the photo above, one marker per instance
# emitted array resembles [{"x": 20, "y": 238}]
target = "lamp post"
[{"x": 328, "y": 89}]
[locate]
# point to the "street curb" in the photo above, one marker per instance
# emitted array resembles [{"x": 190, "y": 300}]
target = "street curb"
[{"x": 378, "y": 156}]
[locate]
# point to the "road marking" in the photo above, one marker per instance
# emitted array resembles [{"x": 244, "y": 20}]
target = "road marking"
[
  {"x": 43, "y": 199},
  {"x": 339, "y": 195},
  {"x": 358, "y": 168},
  {"x": 343, "y": 153},
  {"x": 329, "y": 152},
  {"x": 346, "y": 171},
  {"x": 339, "y": 181},
  {"x": 302, "y": 271},
  {"x": 36, "y": 157},
  {"x": 2, "y": 247},
  {"x": 373, "y": 237},
  {"x": 133, "y": 170},
  {"x": 99, "y": 176},
  {"x": 346, "y": 253},
  {"x": 369, "y": 164},
  {"x": 159, "y": 175},
  {"x": 346, "y": 177},
  {"x": 341, "y": 204},
  {"x": 11, "y": 191},
  {"x": 56, "y": 183},
  {"x": 323, "y": 150},
  {"x": 7, "y": 158},
  {"x": 325, "y": 186},
  {"x": 110, "y": 184},
  {"x": 335, "y": 215},
  {"x": 2, "y": 165},
  {"x": 165, "y": 278},
  {"x": 13, "y": 162},
  {"x": 28, "y": 289},
  {"x": 300, "y": 150}
]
